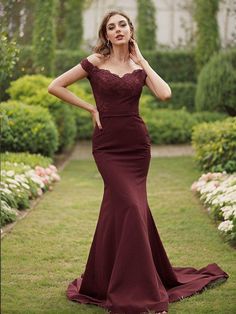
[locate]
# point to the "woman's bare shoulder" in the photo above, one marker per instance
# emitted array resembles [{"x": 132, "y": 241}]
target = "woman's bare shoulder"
[{"x": 96, "y": 59}]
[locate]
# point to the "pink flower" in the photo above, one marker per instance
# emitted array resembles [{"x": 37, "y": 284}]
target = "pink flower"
[
  {"x": 40, "y": 171},
  {"x": 53, "y": 168},
  {"x": 45, "y": 180},
  {"x": 55, "y": 177},
  {"x": 48, "y": 171},
  {"x": 194, "y": 187}
]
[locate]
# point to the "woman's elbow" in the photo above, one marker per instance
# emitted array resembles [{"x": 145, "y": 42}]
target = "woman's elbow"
[
  {"x": 167, "y": 94},
  {"x": 51, "y": 88}
]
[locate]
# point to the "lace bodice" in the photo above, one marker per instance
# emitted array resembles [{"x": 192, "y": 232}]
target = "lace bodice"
[{"x": 115, "y": 94}]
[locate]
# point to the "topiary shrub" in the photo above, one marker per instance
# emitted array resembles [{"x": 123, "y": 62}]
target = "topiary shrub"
[
  {"x": 216, "y": 88},
  {"x": 215, "y": 145},
  {"x": 28, "y": 129}
]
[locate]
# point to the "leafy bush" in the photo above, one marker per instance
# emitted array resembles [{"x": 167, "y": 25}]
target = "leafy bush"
[
  {"x": 216, "y": 89},
  {"x": 28, "y": 128},
  {"x": 215, "y": 145},
  {"x": 32, "y": 90}
]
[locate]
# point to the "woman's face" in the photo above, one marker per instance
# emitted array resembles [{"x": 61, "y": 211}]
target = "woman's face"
[{"x": 118, "y": 30}]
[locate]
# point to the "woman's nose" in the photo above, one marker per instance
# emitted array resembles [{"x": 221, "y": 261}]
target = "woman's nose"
[{"x": 117, "y": 28}]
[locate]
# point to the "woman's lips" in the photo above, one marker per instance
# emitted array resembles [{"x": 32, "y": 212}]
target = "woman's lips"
[{"x": 119, "y": 37}]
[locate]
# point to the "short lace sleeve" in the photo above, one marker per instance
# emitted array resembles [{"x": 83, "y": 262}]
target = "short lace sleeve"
[{"x": 87, "y": 66}]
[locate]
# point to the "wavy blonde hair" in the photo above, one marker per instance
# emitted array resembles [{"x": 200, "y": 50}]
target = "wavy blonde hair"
[{"x": 101, "y": 46}]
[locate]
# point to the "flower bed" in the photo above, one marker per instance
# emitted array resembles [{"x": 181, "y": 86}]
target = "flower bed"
[
  {"x": 19, "y": 184},
  {"x": 217, "y": 191}
]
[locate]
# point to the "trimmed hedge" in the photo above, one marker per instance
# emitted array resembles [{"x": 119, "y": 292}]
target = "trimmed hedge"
[
  {"x": 27, "y": 128},
  {"x": 168, "y": 126},
  {"x": 183, "y": 95},
  {"x": 176, "y": 65},
  {"x": 215, "y": 145},
  {"x": 64, "y": 60},
  {"x": 173, "y": 65}
]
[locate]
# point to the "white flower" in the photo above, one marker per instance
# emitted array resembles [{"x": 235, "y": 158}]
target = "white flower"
[
  {"x": 12, "y": 186},
  {"x": 226, "y": 225},
  {"x": 5, "y": 190},
  {"x": 26, "y": 186},
  {"x": 10, "y": 173},
  {"x": 229, "y": 211}
]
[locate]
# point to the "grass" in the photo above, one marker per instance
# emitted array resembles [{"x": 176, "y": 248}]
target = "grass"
[{"x": 49, "y": 247}]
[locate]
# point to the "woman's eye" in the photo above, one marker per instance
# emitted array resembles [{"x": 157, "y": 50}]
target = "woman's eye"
[{"x": 122, "y": 25}]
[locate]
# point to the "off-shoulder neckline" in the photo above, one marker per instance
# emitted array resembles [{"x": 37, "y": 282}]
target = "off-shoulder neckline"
[{"x": 112, "y": 73}]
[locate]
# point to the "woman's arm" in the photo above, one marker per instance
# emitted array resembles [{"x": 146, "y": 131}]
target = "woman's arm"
[
  {"x": 58, "y": 88},
  {"x": 155, "y": 83}
]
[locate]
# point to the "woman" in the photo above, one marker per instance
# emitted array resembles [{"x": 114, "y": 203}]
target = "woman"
[{"x": 127, "y": 270}]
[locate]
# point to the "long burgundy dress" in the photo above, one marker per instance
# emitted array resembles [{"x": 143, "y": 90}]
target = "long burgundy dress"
[{"x": 128, "y": 270}]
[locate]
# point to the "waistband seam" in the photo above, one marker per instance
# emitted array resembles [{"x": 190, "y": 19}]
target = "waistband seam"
[{"x": 102, "y": 114}]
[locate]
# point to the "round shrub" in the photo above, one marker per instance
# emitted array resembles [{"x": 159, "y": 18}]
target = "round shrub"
[
  {"x": 28, "y": 129},
  {"x": 215, "y": 145},
  {"x": 32, "y": 90},
  {"x": 216, "y": 88}
]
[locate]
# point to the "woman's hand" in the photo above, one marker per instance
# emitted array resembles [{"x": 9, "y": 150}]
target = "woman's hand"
[
  {"x": 96, "y": 118},
  {"x": 135, "y": 53}
]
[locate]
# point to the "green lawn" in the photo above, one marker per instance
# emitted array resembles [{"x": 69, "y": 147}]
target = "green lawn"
[{"x": 49, "y": 247}]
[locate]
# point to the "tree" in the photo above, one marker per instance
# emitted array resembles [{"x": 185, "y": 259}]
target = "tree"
[
  {"x": 74, "y": 23},
  {"x": 9, "y": 52},
  {"x": 44, "y": 37},
  {"x": 207, "y": 41},
  {"x": 146, "y": 24}
]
